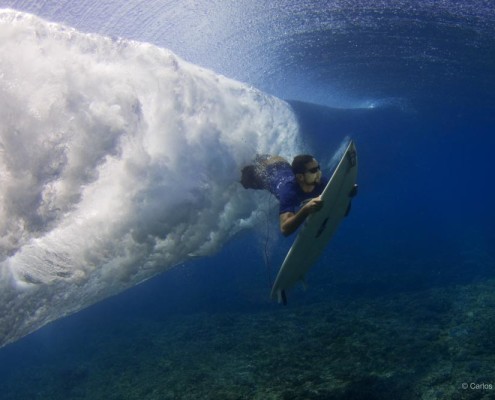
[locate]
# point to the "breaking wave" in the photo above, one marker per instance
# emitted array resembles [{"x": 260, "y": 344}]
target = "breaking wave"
[{"x": 118, "y": 160}]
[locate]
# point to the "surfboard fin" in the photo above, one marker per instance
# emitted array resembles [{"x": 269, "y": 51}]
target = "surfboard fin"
[
  {"x": 283, "y": 297},
  {"x": 303, "y": 282}
]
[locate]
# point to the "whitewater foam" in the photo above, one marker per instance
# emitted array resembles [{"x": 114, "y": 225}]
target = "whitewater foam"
[{"x": 118, "y": 160}]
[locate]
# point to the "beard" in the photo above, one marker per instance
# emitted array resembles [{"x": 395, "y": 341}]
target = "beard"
[{"x": 315, "y": 180}]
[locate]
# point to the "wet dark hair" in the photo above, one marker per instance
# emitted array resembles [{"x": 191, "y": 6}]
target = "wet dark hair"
[
  {"x": 250, "y": 178},
  {"x": 299, "y": 163}
]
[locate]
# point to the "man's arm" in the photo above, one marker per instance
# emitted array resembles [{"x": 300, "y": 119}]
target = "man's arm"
[{"x": 289, "y": 221}]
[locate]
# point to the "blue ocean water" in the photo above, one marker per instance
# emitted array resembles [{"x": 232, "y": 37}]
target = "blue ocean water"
[{"x": 410, "y": 273}]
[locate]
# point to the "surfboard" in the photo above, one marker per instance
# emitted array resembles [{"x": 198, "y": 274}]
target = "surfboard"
[{"x": 320, "y": 226}]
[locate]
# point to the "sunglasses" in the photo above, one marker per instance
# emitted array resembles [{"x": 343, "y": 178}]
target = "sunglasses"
[{"x": 313, "y": 170}]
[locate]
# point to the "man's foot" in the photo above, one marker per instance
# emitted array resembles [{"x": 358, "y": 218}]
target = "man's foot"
[
  {"x": 352, "y": 194},
  {"x": 353, "y": 191},
  {"x": 348, "y": 210}
]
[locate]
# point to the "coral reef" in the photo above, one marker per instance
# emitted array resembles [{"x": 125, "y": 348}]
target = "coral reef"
[{"x": 425, "y": 345}]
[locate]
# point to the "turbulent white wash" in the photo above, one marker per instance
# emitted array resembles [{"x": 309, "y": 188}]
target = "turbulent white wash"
[{"x": 118, "y": 160}]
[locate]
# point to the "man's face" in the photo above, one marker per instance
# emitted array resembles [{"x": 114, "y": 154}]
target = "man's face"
[{"x": 312, "y": 174}]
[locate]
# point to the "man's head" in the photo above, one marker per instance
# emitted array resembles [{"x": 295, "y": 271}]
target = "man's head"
[
  {"x": 299, "y": 163},
  {"x": 307, "y": 171}
]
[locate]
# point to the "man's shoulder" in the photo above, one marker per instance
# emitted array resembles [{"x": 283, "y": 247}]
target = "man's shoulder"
[{"x": 288, "y": 187}]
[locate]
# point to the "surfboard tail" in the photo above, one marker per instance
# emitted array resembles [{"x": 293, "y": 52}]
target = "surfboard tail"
[{"x": 281, "y": 297}]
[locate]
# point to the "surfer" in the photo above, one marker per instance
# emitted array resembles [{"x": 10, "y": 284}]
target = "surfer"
[{"x": 297, "y": 186}]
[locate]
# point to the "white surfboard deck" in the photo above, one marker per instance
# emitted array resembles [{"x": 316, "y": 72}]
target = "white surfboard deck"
[{"x": 319, "y": 227}]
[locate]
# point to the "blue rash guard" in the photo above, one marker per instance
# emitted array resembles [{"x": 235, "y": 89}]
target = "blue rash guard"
[{"x": 281, "y": 182}]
